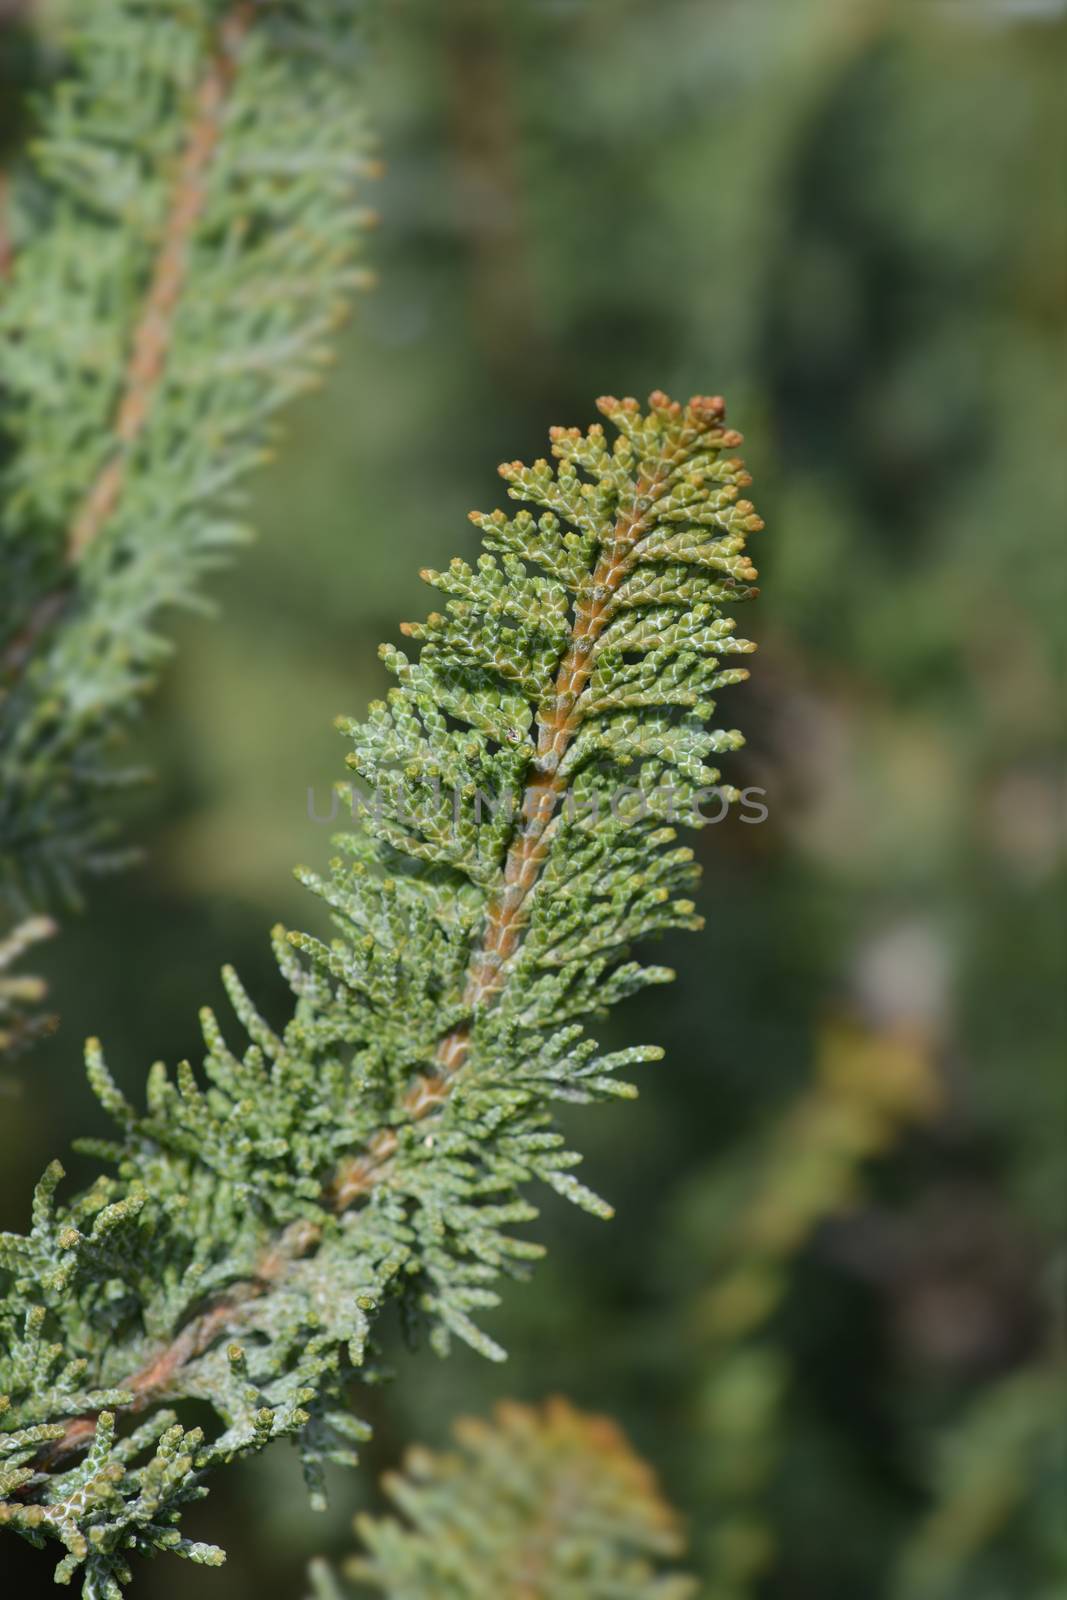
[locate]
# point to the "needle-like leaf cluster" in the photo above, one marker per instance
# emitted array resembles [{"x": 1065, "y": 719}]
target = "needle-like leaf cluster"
[{"x": 377, "y": 1147}]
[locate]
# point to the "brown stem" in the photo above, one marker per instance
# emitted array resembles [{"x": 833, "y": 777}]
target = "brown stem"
[
  {"x": 154, "y": 330},
  {"x": 152, "y": 1380},
  {"x": 155, "y": 327},
  {"x": 558, "y": 722}
]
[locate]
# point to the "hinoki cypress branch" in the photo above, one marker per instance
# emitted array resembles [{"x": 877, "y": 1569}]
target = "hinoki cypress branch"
[
  {"x": 541, "y": 1503},
  {"x": 523, "y": 783},
  {"x": 189, "y": 251}
]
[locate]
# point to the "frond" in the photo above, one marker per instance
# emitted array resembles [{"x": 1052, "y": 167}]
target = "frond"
[{"x": 515, "y": 839}]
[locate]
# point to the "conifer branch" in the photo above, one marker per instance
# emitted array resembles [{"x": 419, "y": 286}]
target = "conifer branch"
[
  {"x": 193, "y": 252},
  {"x": 558, "y": 720},
  {"x": 376, "y": 1149},
  {"x": 540, "y": 1503}
]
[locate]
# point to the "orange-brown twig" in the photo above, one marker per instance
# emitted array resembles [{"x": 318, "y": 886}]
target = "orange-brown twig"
[{"x": 155, "y": 1377}]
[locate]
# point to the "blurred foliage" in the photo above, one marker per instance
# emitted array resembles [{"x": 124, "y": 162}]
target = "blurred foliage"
[
  {"x": 181, "y": 247},
  {"x": 772, "y": 1199},
  {"x": 21, "y": 993},
  {"x": 1001, "y": 1478},
  {"x": 540, "y": 1503},
  {"x": 847, "y": 218}
]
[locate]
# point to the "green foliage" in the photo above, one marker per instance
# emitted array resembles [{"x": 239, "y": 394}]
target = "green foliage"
[
  {"x": 110, "y": 1508},
  {"x": 186, "y": 243},
  {"x": 376, "y": 1148},
  {"x": 540, "y": 1504},
  {"x": 1002, "y": 1463}
]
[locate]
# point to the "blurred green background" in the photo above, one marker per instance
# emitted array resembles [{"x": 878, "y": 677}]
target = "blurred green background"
[{"x": 849, "y": 218}]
